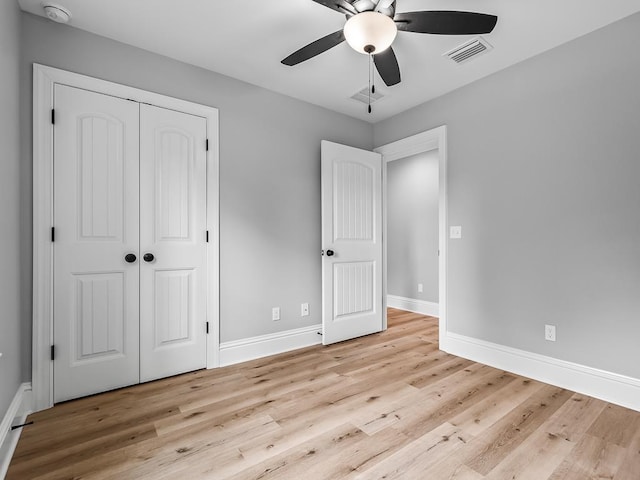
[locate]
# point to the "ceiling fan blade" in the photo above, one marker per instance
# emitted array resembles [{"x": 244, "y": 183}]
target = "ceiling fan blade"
[
  {"x": 387, "y": 66},
  {"x": 315, "y": 48},
  {"x": 446, "y": 22},
  {"x": 342, "y": 6}
]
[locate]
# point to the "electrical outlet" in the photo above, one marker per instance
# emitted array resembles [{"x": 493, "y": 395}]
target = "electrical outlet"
[
  {"x": 419, "y": 288},
  {"x": 275, "y": 313},
  {"x": 550, "y": 333},
  {"x": 304, "y": 310}
]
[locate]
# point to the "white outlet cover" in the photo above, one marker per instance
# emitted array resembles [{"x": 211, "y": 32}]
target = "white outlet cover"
[
  {"x": 455, "y": 232},
  {"x": 550, "y": 333},
  {"x": 275, "y": 313}
]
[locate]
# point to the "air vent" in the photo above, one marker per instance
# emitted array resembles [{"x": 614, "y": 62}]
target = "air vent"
[
  {"x": 363, "y": 96},
  {"x": 469, "y": 50}
]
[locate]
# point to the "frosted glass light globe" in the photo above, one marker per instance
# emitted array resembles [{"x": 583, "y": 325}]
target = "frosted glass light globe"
[{"x": 370, "y": 29}]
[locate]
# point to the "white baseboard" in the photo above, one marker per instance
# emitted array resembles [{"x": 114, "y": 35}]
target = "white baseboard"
[
  {"x": 413, "y": 305},
  {"x": 18, "y": 410},
  {"x": 264, "y": 345},
  {"x": 607, "y": 386}
]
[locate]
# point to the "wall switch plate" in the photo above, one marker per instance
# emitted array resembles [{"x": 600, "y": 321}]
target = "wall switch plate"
[
  {"x": 419, "y": 288},
  {"x": 550, "y": 333},
  {"x": 455, "y": 232},
  {"x": 275, "y": 313},
  {"x": 304, "y": 310}
]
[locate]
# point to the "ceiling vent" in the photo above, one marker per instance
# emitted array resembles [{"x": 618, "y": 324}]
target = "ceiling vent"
[
  {"x": 468, "y": 50},
  {"x": 363, "y": 96}
]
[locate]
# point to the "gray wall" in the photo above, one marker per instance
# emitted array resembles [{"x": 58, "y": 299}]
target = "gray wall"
[
  {"x": 269, "y": 172},
  {"x": 544, "y": 172},
  {"x": 412, "y": 226},
  {"x": 10, "y": 209}
]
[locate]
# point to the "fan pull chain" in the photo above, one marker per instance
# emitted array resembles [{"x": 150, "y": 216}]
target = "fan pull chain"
[
  {"x": 371, "y": 88},
  {"x": 373, "y": 77}
]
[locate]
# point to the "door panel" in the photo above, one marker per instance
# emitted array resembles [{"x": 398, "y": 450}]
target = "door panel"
[
  {"x": 172, "y": 297},
  {"x": 173, "y": 230},
  {"x": 354, "y": 288},
  {"x": 96, "y": 225},
  {"x": 351, "y": 231},
  {"x": 100, "y": 305}
]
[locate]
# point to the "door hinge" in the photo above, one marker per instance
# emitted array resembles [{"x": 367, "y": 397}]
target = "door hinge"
[
  {"x": 207, "y": 144},
  {"x": 53, "y": 234},
  {"x": 207, "y": 328},
  {"x": 53, "y": 116},
  {"x": 207, "y": 236},
  {"x": 53, "y": 352}
]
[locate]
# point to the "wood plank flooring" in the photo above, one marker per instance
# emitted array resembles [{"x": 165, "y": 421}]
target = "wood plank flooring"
[{"x": 386, "y": 406}]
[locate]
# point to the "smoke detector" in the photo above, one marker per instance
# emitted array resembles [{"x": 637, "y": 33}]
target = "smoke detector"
[{"x": 56, "y": 13}]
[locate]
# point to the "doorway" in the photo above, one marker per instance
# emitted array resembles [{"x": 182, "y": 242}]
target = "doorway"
[
  {"x": 433, "y": 141},
  {"x": 171, "y": 283},
  {"x": 412, "y": 233}
]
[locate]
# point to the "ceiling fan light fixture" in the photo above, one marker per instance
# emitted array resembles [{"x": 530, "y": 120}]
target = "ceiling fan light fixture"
[{"x": 370, "y": 32}]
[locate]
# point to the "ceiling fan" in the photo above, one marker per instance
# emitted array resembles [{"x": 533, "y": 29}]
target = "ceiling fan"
[{"x": 372, "y": 26}]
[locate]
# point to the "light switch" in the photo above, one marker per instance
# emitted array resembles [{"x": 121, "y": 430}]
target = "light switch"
[{"x": 455, "y": 232}]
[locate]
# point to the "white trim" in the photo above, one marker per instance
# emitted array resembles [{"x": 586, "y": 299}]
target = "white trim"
[
  {"x": 413, "y": 305},
  {"x": 435, "y": 138},
  {"x": 17, "y": 413},
  {"x": 607, "y": 386},
  {"x": 264, "y": 345},
  {"x": 44, "y": 79}
]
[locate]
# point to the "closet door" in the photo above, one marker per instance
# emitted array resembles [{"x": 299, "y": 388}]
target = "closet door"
[
  {"x": 96, "y": 141},
  {"x": 172, "y": 242}
]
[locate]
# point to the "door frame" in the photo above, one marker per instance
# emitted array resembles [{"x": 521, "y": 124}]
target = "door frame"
[
  {"x": 434, "y": 139},
  {"x": 44, "y": 79}
]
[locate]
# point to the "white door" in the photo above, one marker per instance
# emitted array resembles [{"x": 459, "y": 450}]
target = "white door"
[
  {"x": 172, "y": 242},
  {"x": 96, "y": 226},
  {"x": 352, "y": 242},
  {"x": 130, "y": 243}
]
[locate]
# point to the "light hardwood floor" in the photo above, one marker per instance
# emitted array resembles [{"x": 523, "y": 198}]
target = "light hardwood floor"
[{"x": 386, "y": 406}]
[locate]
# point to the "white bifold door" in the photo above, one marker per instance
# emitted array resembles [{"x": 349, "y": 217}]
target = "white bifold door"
[
  {"x": 129, "y": 242},
  {"x": 352, "y": 303}
]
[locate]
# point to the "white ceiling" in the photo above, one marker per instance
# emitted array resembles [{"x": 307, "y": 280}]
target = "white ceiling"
[{"x": 246, "y": 39}]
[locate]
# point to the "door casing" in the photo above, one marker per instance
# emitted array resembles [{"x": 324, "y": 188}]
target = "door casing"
[{"x": 44, "y": 79}]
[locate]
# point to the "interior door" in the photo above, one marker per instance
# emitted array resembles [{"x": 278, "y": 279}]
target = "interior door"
[
  {"x": 172, "y": 242},
  {"x": 96, "y": 226},
  {"x": 352, "y": 242}
]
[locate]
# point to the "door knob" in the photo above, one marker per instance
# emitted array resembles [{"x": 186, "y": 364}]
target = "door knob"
[
  {"x": 330, "y": 253},
  {"x": 148, "y": 257},
  {"x": 130, "y": 258}
]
